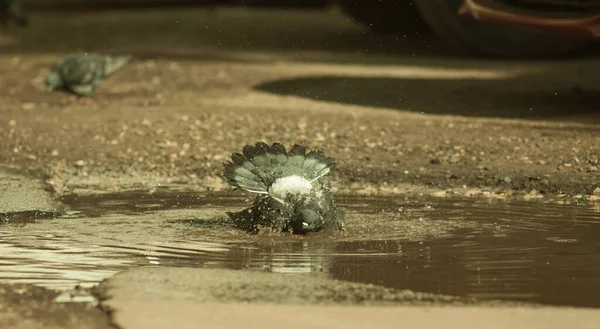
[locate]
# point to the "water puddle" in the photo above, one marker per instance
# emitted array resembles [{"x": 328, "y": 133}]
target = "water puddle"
[{"x": 465, "y": 247}]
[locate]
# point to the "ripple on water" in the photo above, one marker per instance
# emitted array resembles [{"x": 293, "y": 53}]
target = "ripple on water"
[{"x": 466, "y": 247}]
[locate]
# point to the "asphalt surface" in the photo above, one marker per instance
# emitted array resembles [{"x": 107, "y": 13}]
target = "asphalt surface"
[{"x": 398, "y": 114}]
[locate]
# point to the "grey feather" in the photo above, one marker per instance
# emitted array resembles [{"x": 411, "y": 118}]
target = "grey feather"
[
  {"x": 299, "y": 215},
  {"x": 268, "y": 163},
  {"x": 300, "y": 211},
  {"x": 82, "y": 73}
]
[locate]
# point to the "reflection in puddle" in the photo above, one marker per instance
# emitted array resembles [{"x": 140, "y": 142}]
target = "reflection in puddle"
[{"x": 465, "y": 247}]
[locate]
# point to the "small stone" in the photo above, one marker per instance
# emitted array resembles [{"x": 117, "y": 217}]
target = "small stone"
[
  {"x": 15, "y": 60},
  {"x": 596, "y": 191},
  {"x": 533, "y": 194},
  {"x": 28, "y": 106},
  {"x": 12, "y": 123},
  {"x": 542, "y": 162},
  {"x": 454, "y": 158},
  {"x": 79, "y": 163},
  {"x": 507, "y": 180}
]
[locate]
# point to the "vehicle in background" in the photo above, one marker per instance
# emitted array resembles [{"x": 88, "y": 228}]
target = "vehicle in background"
[{"x": 510, "y": 28}]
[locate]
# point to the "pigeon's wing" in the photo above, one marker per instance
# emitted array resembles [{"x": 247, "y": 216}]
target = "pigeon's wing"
[
  {"x": 333, "y": 216},
  {"x": 265, "y": 212},
  {"x": 81, "y": 69},
  {"x": 316, "y": 211},
  {"x": 322, "y": 202},
  {"x": 258, "y": 166},
  {"x": 83, "y": 90}
]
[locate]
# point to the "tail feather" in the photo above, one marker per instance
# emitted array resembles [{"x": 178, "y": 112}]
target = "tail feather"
[
  {"x": 278, "y": 153},
  {"x": 296, "y": 156},
  {"x": 115, "y": 63},
  {"x": 238, "y": 159},
  {"x": 315, "y": 163},
  {"x": 298, "y": 150},
  {"x": 242, "y": 176},
  {"x": 260, "y": 165}
]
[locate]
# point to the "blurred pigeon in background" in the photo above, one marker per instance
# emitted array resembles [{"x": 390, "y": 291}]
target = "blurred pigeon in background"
[
  {"x": 82, "y": 73},
  {"x": 12, "y": 10},
  {"x": 291, "y": 197}
]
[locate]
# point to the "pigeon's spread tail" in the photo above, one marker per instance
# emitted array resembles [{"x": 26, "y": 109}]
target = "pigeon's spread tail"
[
  {"x": 115, "y": 63},
  {"x": 259, "y": 166}
]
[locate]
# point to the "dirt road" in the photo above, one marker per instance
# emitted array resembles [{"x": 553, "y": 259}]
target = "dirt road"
[{"x": 396, "y": 113}]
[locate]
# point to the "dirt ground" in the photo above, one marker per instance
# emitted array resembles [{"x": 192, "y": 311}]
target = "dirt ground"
[
  {"x": 399, "y": 114},
  {"x": 26, "y": 306}
]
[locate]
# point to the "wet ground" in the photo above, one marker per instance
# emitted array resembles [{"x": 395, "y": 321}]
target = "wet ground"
[
  {"x": 462, "y": 247},
  {"x": 434, "y": 154}
]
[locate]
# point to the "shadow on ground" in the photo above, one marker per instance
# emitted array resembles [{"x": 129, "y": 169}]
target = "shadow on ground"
[
  {"x": 324, "y": 36},
  {"x": 513, "y": 98}
]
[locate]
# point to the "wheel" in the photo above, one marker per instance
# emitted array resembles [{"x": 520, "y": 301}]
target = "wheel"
[
  {"x": 285, "y": 3},
  {"x": 491, "y": 38},
  {"x": 390, "y": 16}
]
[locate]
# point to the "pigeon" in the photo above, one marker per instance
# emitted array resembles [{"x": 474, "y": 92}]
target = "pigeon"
[
  {"x": 12, "y": 10},
  {"x": 82, "y": 73},
  {"x": 291, "y": 198}
]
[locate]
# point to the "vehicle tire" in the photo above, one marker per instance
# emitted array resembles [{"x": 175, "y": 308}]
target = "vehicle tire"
[
  {"x": 490, "y": 38},
  {"x": 286, "y": 3},
  {"x": 390, "y": 16}
]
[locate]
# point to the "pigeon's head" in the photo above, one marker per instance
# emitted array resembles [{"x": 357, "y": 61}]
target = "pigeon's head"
[
  {"x": 306, "y": 212},
  {"x": 53, "y": 81},
  {"x": 307, "y": 220}
]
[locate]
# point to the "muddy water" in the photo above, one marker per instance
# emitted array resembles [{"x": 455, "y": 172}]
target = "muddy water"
[{"x": 466, "y": 247}]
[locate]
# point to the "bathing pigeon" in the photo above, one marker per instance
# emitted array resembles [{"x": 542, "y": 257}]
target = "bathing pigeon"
[
  {"x": 12, "y": 10},
  {"x": 82, "y": 73},
  {"x": 290, "y": 196}
]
